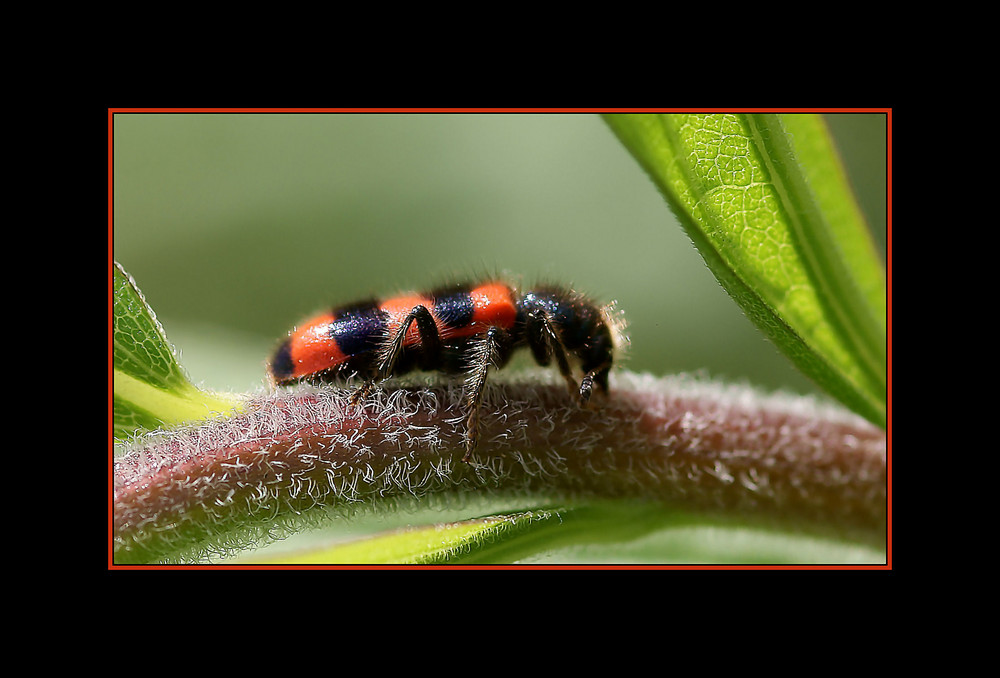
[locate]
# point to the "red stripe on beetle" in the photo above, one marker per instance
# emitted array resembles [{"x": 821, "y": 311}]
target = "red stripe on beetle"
[
  {"x": 398, "y": 308},
  {"x": 493, "y": 306},
  {"x": 313, "y": 349}
]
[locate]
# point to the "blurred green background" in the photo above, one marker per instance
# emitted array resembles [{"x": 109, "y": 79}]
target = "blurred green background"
[{"x": 236, "y": 226}]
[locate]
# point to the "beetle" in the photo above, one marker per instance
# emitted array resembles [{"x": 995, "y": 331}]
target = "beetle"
[{"x": 462, "y": 328}]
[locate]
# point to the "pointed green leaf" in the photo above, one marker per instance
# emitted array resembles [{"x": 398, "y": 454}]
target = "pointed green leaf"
[
  {"x": 150, "y": 388},
  {"x": 765, "y": 200},
  {"x": 503, "y": 538}
]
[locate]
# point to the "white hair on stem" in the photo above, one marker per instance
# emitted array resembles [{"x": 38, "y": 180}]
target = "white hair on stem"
[{"x": 296, "y": 454}]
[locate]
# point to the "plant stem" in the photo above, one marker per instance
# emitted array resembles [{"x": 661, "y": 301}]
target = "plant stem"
[{"x": 692, "y": 444}]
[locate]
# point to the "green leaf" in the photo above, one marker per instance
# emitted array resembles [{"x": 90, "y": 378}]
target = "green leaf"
[
  {"x": 600, "y": 532},
  {"x": 766, "y": 202},
  {"x": 150, "y": 388},
  {"x": 503, "y": 538}
]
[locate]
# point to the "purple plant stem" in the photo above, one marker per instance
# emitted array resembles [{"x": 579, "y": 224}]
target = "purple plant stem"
[{"x": 694, "y": 445}]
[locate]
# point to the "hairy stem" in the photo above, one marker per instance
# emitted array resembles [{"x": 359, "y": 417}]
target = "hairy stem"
[{"x": 692, "y": 444}]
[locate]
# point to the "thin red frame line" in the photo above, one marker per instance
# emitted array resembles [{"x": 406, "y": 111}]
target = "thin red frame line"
[
  {"x": 888, "y": 268},
  {"x": 110, "y": 334},
  {"x": 501, "y": 567},
  {"x": 887, "y": 111},
  {"x": 113, "y": 111}
]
